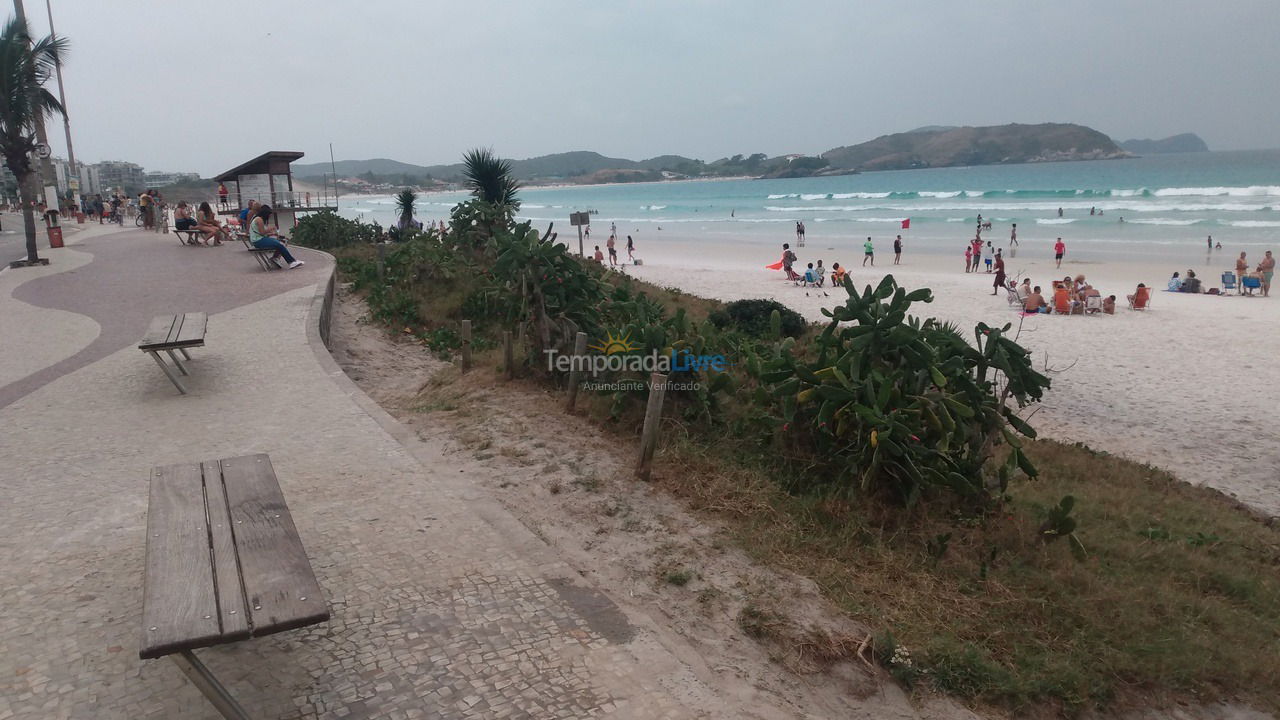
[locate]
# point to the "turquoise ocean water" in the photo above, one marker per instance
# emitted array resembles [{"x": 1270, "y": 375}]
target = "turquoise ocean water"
[{"x": 1169, "y": 204}]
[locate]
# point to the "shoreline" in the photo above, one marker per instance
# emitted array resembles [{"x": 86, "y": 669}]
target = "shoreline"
[{"x": 1188, "y": 386}]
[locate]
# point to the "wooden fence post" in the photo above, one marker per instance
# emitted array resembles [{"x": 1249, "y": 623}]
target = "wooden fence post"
[
  {"x": 508, "y": 354},
  {"x": 382, "y": 256},
  {"x": 652, "y": 419},
  {"x": 466, "y": 345},
  {"x": 575, "y": 370}
]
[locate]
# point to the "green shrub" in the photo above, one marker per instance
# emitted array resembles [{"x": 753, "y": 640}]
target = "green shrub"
[
  {"x": 752, "y": 317},
  {"x": 326, "y": 230}
]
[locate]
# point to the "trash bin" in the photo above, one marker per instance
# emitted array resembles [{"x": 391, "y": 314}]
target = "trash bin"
[{"x": 55, "y": 236}]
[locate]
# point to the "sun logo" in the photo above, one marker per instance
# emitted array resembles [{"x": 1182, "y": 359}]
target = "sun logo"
[{"x": 612, "y": 345}]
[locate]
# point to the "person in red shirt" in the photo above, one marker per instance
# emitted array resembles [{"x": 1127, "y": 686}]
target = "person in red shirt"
[{"x": 1059, "y": 249}]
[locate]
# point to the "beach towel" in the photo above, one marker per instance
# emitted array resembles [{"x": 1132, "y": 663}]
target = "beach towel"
[{"x": 777, "y": 265}]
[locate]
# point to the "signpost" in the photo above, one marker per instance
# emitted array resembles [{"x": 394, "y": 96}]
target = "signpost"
[{"x": 577, "y": 220}]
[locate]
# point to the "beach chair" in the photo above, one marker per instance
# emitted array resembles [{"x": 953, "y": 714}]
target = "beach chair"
[
  {"x": 1228, "y": 280},
  {"x": 1250, "y": 283},
  {"x": 1093, "y": 305},
  {"x": 1140, "y": 299},
  {"x": 1015, "y": 301},
  {"x": 1062, "y": 302}
]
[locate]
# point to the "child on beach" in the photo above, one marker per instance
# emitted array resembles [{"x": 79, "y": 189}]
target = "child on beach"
[
  {"x": 868, "y": 253},
  {"x": 837, "y": 274},
  {"x": 599, "y": 256},
  {"x": 821, "y": 272},
  {"x": 987, "y": 259},
  {"x": 968, "y": 258},
  {"x": 1059, "y": 249},
  {"x": 810, "y": 277}
]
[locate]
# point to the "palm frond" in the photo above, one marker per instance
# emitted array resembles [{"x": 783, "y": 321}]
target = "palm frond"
[{"x": 491, "y": 178}]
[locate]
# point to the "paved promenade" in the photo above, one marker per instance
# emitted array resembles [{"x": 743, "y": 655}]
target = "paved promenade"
[{"x": 443, "y": 605}]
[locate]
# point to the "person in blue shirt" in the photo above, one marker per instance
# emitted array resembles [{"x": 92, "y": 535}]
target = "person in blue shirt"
[
  {"x": 810, "y": 277},
  {"x": 1175, "y": 283}
]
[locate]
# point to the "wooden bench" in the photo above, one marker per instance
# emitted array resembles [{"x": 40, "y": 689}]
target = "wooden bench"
[
  {"x": 264, "y": 256},
  {"x": 169, "y": 333},
  {"x": 224, "y": 563},
  {"x": 193, "y": 236}
]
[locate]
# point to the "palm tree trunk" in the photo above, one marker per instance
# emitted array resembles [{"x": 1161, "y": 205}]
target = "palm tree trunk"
[{"x": 27, "y": 196}]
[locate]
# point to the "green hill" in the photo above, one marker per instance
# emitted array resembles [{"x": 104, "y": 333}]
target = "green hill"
[
  {"x": 1186, "y": 142},
  {"x": 999, "y": 144}
]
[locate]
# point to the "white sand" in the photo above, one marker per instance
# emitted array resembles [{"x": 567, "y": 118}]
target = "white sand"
[{"x": 1189, "y": 386}]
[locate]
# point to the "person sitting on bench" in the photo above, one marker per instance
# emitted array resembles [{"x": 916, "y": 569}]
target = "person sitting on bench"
[
  {"x": 265, "y": 236},
  {"x": 207, "y": 223},
  {"x": 182, "y": 220}
]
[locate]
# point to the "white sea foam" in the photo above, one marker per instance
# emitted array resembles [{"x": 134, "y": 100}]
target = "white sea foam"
[
  {"x": 878, "y": 220},
  {"x": 817, "y": 196},
  {"x": 1251, "y": 223},
  {"x": 1164, "y": 221},
  {"x": 1122, "y": 193},
  {"x": 860, "y": 196},
  {"x": 956, "y": 219},
  {"x": 976, "y": 193},
  {"x": 1054, "y": 221},
  {"x": 784, "y": 195},
  {"x": 938, "y": 194},
  {"x": 1250, "y": 191}
]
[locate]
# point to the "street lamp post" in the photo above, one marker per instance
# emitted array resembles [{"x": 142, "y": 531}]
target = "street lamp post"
[{"x": 73, "y": 172}]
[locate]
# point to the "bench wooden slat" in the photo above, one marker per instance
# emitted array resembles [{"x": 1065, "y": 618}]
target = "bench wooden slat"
[
  {"x": 192, "y": 330},
  {"x": 175, "y": 331},
  {"x": 178, "y": 594},
  {"x": 279, "y": 584},
  {"x": 226, "y": 566},
  {"x": 159, "y": 331}
]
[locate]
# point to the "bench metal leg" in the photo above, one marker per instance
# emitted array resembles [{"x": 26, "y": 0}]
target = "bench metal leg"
[
  {"x": 184, "y": 353},
  {"x": 173, "y": 378},
  {"x": 178, "y": 363},
  {"x": 200, "y": 676}
]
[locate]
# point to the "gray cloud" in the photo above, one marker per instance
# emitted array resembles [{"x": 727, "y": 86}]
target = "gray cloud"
[{"x": 203, "y": 85}]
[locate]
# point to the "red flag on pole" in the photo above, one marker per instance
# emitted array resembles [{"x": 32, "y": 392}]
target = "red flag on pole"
[{"x": 906, "y": 223}]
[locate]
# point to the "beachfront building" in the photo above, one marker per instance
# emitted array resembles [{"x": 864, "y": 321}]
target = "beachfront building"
[
  {"x": 117, "y": 175},
  {"x": 268, "y": 179},
  {"x": 157, "y": 179}
]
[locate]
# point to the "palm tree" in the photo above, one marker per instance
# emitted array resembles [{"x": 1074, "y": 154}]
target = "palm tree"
[
  {"x": 25, "y": 65},
  {"x": 405, "y": 201},
  {"x": 490, "y": 179}
]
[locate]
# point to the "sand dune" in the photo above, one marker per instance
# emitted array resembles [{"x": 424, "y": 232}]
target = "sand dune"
[{"x": 1190, "y": 386}]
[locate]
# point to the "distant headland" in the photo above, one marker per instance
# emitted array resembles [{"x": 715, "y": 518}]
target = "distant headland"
[{"x": 926, "y": 147}]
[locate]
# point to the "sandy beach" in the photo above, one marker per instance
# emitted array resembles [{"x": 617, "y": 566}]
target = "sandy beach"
[{"x": 1189, "y": 386}]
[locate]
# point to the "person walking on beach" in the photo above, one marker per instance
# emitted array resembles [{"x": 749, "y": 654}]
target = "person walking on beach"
[
  {"x": 1268, "y": 269},
  {"x": 1210, "y": 242},
  {"x": 868, "y": 253},
  {"x": 897, "y": 250},
  {"x": 631, "y": 250},
  {"x": 1013, "y": 235},
  {"x": 1242, "y": 269},
  {"x": 800, "y": 233},
  {"x": 977, "y": 253},
  {"x": 613, "y": 252},
  {"x": 1059, "y": 249},
  {"x": 988, "y": 258},
  {"x": 788, "y": 260},
  {"x": 999, "y": 280}
]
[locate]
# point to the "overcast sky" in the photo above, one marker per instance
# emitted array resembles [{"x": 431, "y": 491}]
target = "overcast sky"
[{"x": 202, "y": 85}]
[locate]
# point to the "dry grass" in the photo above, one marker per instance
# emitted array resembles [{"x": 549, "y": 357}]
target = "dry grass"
[{"x": 1178, "y": 600}]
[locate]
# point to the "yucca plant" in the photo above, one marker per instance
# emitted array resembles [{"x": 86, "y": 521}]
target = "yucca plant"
[
  {"x": 25, "y": 66},
  {"x": 406, "y": 201},
  {"x": 491, "y": 179}
]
